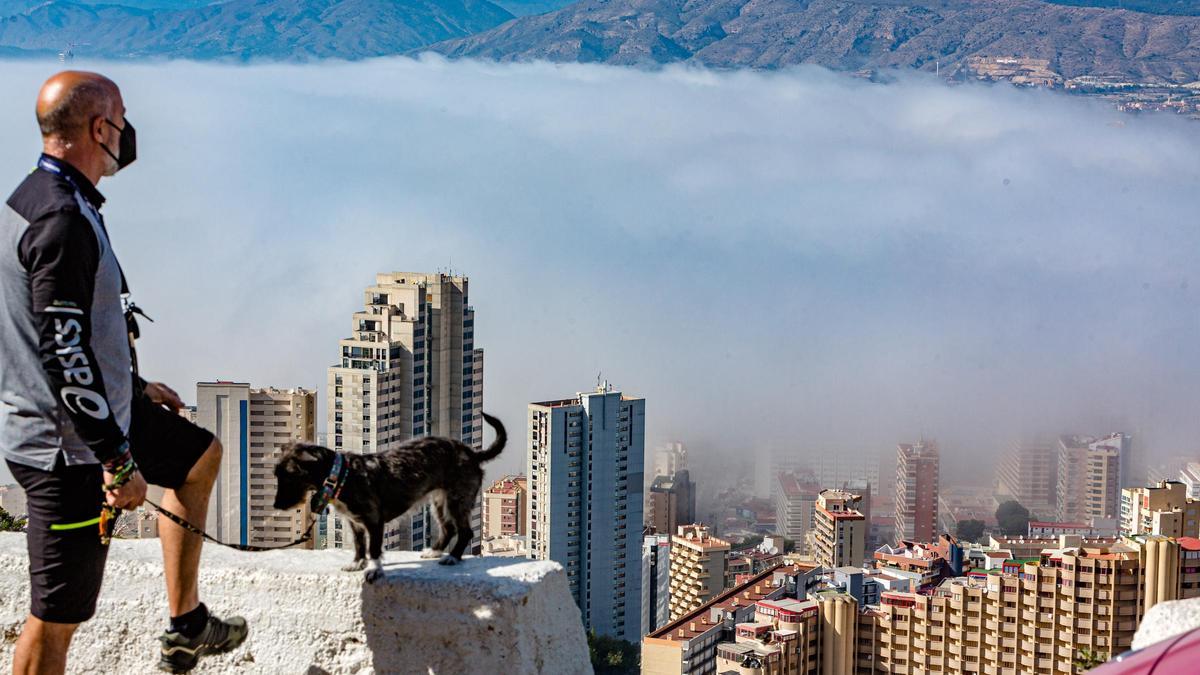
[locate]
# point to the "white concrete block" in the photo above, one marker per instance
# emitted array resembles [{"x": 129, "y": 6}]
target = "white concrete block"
[
  {"x": 1167, "y": 619},
  {"x": 486, "y": 615}
]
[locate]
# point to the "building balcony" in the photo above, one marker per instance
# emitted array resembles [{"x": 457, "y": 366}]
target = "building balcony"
[{"x": 422, "y": 617}]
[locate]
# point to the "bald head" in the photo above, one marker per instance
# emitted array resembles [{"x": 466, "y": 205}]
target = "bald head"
[{"x": 71, "y": 100}]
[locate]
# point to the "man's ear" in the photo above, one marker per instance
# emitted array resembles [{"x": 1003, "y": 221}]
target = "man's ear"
[{"x": 96, "y": 129}]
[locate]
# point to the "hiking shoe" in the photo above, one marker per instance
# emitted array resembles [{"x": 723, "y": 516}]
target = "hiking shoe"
[{"x": 180, "y": 653}]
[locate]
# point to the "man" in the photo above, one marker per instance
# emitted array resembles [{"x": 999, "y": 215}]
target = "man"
[{"x": 78, "y": 428}]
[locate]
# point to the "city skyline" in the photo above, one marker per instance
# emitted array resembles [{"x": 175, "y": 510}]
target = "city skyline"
[{"x": 630, "y": 229}]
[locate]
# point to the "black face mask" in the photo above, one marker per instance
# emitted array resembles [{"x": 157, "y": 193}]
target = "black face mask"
[{"x": 127, "y": 148}]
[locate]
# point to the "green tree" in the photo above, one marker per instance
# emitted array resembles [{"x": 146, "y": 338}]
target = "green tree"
[
  {"x": 611, "y": 656},
  {"x": 970, "y": 530},
  {"x": 10, "y": 523},
  {"x": 1013, "y": 518},
  {"x": 1086, "y": 659}
]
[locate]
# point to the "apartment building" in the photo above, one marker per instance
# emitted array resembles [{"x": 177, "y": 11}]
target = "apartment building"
[
  {"x": 585, "y": 469},
  {"x": 839, "y": 530},
  {"x": 671, "y": 502},
  {"x": 917, "y": 484},
  {"x": 253, "y": 425},
  {"x": 505, "y": 508},
  {"x": 698, "y": 562},
  {"x": 409, "y": 368},
  {"x": 1034, "y": 616},
  {"x": 688, "y": 645},
  {"x": 795, "y": 496},
  {"x": 1028, "y": 473},
  {"x": 1163, "y": 509},
  {"x": 656, "y": 581},
  {"x": 1088, "y": 477}
]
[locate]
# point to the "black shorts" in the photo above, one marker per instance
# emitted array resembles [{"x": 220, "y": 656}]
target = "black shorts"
[{"x": 66, "y": 566}]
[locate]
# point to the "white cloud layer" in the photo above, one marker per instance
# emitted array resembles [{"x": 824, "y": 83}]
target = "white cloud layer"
[{"x": 795, "y": 258}]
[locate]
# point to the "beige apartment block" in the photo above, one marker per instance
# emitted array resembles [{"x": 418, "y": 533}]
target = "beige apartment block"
[
  {"x": 1163, "y": 509},
  {"x": 253, "y": 425},
  {"x": 409, "y": 368},
  {"x": 1032, "y": 617},
  {"x": 697, "y": 568},
  {"x": 505, "y": 508},
  {"x": 839, "y": 530}
]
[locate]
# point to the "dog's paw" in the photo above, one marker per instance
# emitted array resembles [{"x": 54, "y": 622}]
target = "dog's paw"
[
  {"x": 374, "y": 574},
  {"x": 356, "y": 566},
  {"x": 449, "y": 560},
  {"x": 430, "y": 554}
]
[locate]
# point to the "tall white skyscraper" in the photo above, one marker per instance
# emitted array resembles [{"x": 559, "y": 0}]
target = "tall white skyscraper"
[
  {"x": 409, "y": 368},
  {"x": 585, "y": 467},
  {"x": 253, "y": 425}
]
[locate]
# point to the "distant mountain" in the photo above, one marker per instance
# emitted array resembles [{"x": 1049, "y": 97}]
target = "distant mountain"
[
  {"x": 243, "y": 29},
  {"x": 1048, "y": 41},
  {"x": 531, "y": 7}
]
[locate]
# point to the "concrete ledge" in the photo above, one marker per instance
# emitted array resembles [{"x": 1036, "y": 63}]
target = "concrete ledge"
[
  {"x": 1167, "y": 619},
  {"x": 492, "y": 615}
]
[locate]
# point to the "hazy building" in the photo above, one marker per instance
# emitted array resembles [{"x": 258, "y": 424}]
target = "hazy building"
[
  {"x": 697, "y": 568},
  {"x": 1190, "y": 477},
  {"x": 671, "y": 502},
  {"x": 839, "y": 530},
  {"x": 656, "y": 581},
  {"x": 1088, "y": 477},
  {"x": 670, "y": 458},
  {"x": 837, "y": 468},
  {"x": 917, "y": 481},
  {"x": 1028, "y": 473},
  {"x": 409, "y": 368},
  {"x": 585, "y": 468},
  {"x": 795, "y": 497},
  {"x": 12, "y": 499},
  {"x": 505, "y": 508},
  {"x": 1163, "y": 509},
  {"x": 253, "y": 425},
  {"x": 863, "y": 489}
]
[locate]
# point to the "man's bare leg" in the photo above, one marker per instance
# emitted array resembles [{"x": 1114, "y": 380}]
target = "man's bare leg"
[
  {"x": 42, "y": 647},
  {"x": 181, "y": 549}
]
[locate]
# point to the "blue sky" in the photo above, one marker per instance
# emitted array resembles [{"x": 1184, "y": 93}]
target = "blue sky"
[{"x": 797, "y": 259}]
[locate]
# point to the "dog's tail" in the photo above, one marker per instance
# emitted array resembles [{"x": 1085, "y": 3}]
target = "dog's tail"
[{"x": 493, "y": 450}]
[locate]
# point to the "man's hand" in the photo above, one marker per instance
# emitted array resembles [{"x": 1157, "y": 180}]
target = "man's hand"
[
  {"x": 130, "y": 495},
  {"x": 164, "y": 396}
]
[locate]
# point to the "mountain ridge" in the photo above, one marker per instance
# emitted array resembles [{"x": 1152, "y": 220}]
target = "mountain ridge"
[
  {"x": 245, "y": 29},
  {"x": 953, "y": 36}
]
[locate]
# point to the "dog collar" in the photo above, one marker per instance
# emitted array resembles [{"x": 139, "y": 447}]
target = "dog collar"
[{"x": 331, "y": 489}]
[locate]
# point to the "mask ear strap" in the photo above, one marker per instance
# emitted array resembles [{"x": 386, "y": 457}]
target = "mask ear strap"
[{"x": 119, "y": 131}]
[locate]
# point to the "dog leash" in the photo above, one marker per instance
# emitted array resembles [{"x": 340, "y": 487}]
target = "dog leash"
[
  {"x": 183, "y": 522},
  {"x": 330, "y": 490}
]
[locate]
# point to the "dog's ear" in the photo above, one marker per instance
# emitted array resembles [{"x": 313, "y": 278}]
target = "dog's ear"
[{"x": 302, "y": 452}]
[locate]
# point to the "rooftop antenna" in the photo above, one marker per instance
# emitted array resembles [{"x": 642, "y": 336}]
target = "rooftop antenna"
[{"x": 598, "y": 380}]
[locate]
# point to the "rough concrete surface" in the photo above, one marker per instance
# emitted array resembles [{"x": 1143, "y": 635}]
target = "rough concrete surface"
[
  {"x": 486, "y": 615},
  {"x": 1167, "y": 619}
]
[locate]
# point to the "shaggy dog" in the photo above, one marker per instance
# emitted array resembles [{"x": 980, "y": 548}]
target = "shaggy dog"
[{"x": 381, "y": 487}]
